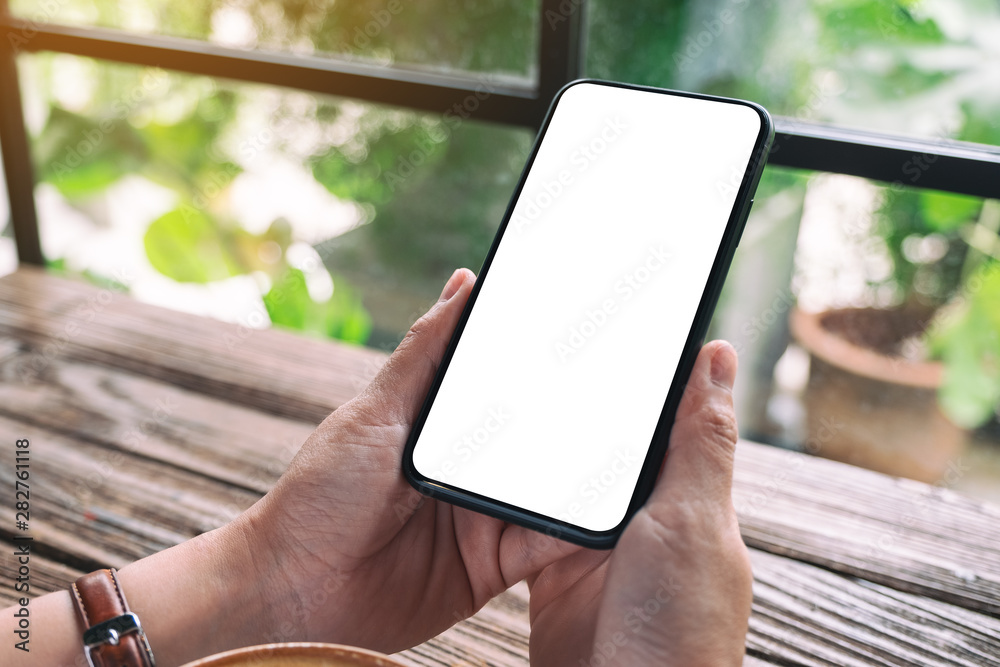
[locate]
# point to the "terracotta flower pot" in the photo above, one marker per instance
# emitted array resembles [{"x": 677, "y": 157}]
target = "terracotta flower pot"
[
  {"x": 301, "y": 654},
  {"x": 866, "y": 403}
]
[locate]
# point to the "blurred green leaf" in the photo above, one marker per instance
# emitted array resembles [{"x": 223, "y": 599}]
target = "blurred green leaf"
[
  {"x": 188, "y": 246},
  {"x": 347, "y": 318},
  {"x": 967, "y": 340},
  {"x": 342, "y": 316},
  {"x": 186, "y": 158},
  {"x": 850, "y": 24},
  {"x": 944, "y": 211},
  {"x": 982, "y": 121},
  {"x": 389, "y": 160},
  {"x": 82, "y": 156}
]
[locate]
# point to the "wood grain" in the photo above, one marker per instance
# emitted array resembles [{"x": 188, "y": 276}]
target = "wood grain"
[
  {"x": 46, "y": 575},
  {"x": 148, "y": 427},
  {"x": 273, "y": 371},
  {"x": 806, "y": 615},
  {"x": 175, "y": 426},
  {"x": 909, "y": 535},
  {"x": 94, "y": 507}
]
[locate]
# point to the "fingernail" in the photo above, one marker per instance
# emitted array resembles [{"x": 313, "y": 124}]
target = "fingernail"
[
  {"x": 452, "y": 286},
  {"x": 724, "y": 366}
]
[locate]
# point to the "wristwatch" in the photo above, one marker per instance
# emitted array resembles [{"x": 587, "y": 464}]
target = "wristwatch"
[{"x": 114, "y": 636}]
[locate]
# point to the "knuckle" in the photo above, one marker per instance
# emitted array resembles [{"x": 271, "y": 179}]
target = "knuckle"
[{"x": 720, "y": 424}]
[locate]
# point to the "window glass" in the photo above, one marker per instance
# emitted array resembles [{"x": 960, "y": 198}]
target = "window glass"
[
  {"x": 918, "y": 67},
  {"x": 259, "y": 205},
  {"x": 498, "y": 36},
  {"x": 866, "y": 317}
]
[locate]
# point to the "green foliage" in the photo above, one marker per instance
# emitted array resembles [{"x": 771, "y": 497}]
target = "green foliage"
[
  {"x": 944, "y": 212},
  {"x": 909, "y": 214},
  {"x": 635, "y": 41},
  {"x": 342, "y": 316},
  {"x": 853, "y": 24},
  {"x": 981, "y": 121},
  {"x": 435, "y": 189},
  {"x": 371, "y": 173},
  {"x": 966, "y": 337},
  {"x": 445, "y": 213},
  {"x": 186, "y": 245},
  {"x": 82, "y": 156}
]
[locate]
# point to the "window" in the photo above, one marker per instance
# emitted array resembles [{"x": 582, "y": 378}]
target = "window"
[
  {"x": 915, "y": 68},
  {"x": 487, "y": 37},
  {"x": 173, "y": 181},
  {"x": 880, "y": 195}
]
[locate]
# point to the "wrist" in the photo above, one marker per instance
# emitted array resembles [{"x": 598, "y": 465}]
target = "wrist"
[
  {"x": 295, "y": 585},
  {"x": 199, "y": 597}
]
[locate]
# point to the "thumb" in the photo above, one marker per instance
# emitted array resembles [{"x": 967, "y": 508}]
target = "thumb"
[
  {"x": 402, "y": 384},
  {"x": 703, "y": 439}
]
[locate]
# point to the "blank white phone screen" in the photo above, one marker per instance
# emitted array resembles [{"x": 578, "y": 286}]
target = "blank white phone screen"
[{"x": 556, "y": 385}]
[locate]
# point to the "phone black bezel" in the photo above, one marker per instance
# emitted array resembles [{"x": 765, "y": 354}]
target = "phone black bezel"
[{"x": 699, "y": 327}]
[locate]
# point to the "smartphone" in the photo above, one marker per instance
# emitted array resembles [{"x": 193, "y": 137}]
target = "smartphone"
[{"x": 554, "y": 401}]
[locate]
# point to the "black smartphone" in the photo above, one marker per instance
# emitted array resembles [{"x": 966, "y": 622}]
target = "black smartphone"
[{"x": 554, "y": 401}]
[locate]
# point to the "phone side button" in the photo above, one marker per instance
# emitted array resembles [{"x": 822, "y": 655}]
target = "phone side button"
[{"x": 744, "y": 225}]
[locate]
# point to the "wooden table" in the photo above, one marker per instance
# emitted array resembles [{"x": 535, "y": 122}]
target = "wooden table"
[{"x": 148, "y": 427}]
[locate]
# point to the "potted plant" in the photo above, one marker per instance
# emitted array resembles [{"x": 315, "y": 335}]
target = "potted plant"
[{"x": 896, "y": 389}]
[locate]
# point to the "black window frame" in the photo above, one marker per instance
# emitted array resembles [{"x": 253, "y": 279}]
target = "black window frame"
[{"x": 938, "y": 164}]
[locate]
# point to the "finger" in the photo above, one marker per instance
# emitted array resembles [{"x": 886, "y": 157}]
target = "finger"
[
  {"x": 525, "y": 552},
  {"x": 704, "y": 435},
  {"x": 403, "y": 382}
]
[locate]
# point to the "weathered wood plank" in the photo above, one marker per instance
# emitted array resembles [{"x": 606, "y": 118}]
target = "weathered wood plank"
[
  {"x": 904, "y": 534},
  {"x": 805, "y": 615},
  {"x": 95, "y": 507},
  {"x": 105, "y": 501},
  {"x": 178, "y": 427},
  {"x": 497, "y": 636},
  {"x": 270, "y": 370},
  {"x": 901, "y": 533}
]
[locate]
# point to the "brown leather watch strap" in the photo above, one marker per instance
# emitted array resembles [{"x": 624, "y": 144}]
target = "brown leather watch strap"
[{"x": 113, "y": 635}]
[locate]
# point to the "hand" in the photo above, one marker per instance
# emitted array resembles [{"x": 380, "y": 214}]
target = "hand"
[
  {"x": 341, "y": 550},
  {"x": 363, "y": 558},
  {"x": 676, "y": 590}
]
